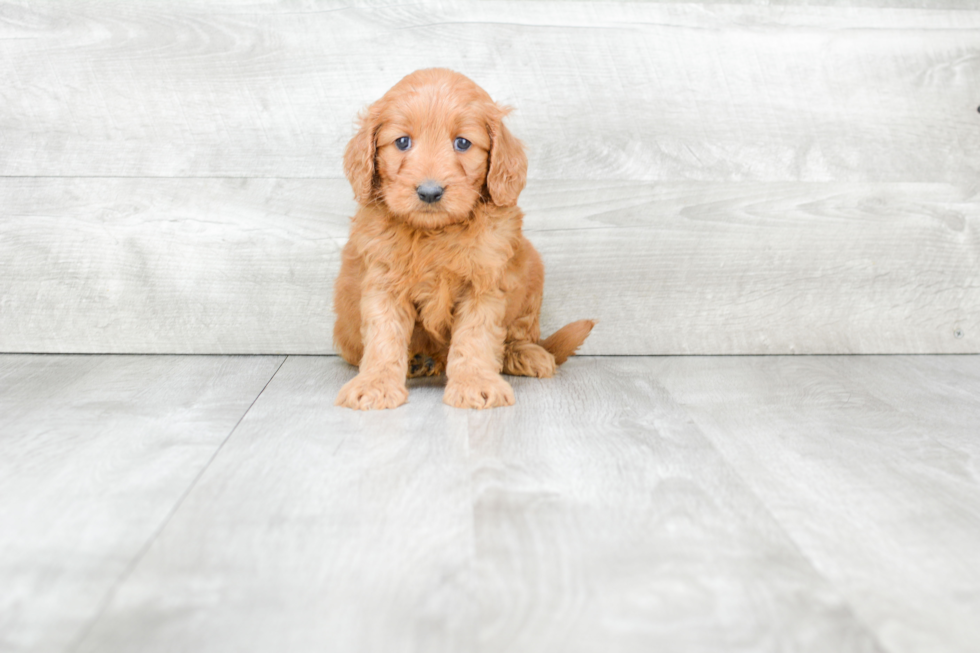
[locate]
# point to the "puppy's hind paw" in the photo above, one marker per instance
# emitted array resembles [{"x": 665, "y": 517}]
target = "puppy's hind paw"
[
  {"x": 372, "y": 393},
  {"x": 528, "y": 359},
  {"x": 478, "y": 392},
  {"x": 422, "y": 365}
]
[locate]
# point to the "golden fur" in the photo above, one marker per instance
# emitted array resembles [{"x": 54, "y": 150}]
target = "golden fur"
[{"x": 453, "y": 280}]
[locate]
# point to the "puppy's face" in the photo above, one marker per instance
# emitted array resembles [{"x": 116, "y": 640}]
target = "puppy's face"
[
  {"x": 432, "y": 155},
  {"x": 432, "y": 148}
]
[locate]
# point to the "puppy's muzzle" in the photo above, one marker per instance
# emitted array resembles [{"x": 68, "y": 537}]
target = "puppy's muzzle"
[{"x": 430, "y": 192}]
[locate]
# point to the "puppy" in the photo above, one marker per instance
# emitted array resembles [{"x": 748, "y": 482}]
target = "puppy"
[{"x": 436, "y": 270}]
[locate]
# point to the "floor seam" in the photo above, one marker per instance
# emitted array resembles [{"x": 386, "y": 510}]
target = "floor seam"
[
  {"x": 791, "y": 541},
  {"x": 134, "y": 563}
]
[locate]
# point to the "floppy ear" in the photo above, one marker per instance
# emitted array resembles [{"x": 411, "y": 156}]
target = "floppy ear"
[
  {"x": 359, "y": 155},
  {"x": 508, "y": 163}
]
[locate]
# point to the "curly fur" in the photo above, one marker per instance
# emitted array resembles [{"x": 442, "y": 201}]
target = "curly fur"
[{"x": 454, "y": 281}]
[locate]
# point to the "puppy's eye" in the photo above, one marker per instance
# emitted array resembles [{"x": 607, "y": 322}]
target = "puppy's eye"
[
  {"x": 461, "y": 144},
  {"x": 403, "y": 143}
]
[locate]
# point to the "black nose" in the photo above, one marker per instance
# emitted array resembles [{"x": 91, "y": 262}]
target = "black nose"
[{"x": 430, "y": 192}]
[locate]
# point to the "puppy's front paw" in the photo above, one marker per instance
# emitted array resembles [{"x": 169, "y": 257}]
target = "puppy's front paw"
[
  {"x": 478, "y": 392},
  {"x": 372, "y": 392}
]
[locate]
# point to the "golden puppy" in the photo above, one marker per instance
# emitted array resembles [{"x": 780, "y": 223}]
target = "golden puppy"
[{"x": 436, "y": 268}]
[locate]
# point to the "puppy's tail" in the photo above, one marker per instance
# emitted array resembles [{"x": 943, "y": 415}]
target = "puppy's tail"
[{"x": 563, "y": 342}]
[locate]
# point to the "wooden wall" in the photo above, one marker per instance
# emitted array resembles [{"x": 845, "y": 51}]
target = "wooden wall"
[{"x": 704, "y": 178}]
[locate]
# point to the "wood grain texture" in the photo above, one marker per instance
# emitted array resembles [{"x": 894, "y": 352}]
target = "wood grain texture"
[
  {"x": 95, "y": 453},
  {"x": 765, "y": 269},
  {"x": 616, "y": 527},
  {"x": 871, "y": 466},
  {"x": 320, "y": 528},
  {"x": 611, "y": 90},
  {"x": 592, "y": 516},
  {"x": 170, "y": 265},
  {"x": 247, "y": 266}
]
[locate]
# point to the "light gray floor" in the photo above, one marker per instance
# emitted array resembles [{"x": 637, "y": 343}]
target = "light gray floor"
[{"x": 214, "y": 503}]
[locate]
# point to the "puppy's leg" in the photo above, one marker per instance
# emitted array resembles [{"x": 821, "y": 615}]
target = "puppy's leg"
[
  {"x": 386, "y": 328},
  {"x": 476, "y": 353},
  {"x": 347, "y": 306},
  {"x": 522, "y": 355}
]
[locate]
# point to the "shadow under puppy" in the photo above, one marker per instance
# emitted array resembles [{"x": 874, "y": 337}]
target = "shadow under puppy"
[{"x": 436, "y": 265}]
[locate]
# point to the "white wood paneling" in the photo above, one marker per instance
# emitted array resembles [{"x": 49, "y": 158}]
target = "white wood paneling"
[
  {"x": 95, "y": 454},
  {"x": 247, "y": 266},
  {"x": 707, "y": 178},
  {"x": 764, "y": 268},
  {"x": 609, "y": 90},
  {"x": 170, "y": 265},
  {"x": 871, "y": 466},
  {"x": 591, "y": 516}
]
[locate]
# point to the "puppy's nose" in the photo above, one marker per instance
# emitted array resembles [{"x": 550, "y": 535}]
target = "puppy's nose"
[{"x": 430, "y": 192}]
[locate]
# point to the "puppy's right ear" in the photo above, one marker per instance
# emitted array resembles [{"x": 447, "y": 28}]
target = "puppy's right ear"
[{"x": 359, "y": 155}]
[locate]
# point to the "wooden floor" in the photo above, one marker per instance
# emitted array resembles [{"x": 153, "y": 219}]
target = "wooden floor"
[{"x": 222, "y": 503}]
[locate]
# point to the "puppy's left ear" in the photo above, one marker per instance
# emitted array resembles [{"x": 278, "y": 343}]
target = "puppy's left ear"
[{"x": 508, "y": 163}]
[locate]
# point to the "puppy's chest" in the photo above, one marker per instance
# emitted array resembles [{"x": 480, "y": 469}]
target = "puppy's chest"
[
  {"x": 438, "y": 272},
  {"x": 434, "y": 287},
  {"x": 450, "y": 264},
  {"x": 434, "y": 279}
]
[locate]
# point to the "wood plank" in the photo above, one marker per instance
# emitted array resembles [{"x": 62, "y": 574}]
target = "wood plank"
[
  {"x": 170, "y": 265},
  {"x": 317, "y": 528},
  {"x": 605, "y": 521},
  {"x": 247, "y": 266},
  {"x": 870, "y": 465},
  {"x": 611, "y": 90},
  {"x": 593, "y": 515},
  {"x": 95, "y": 453},
  {"x": 765, "y": 268}
]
